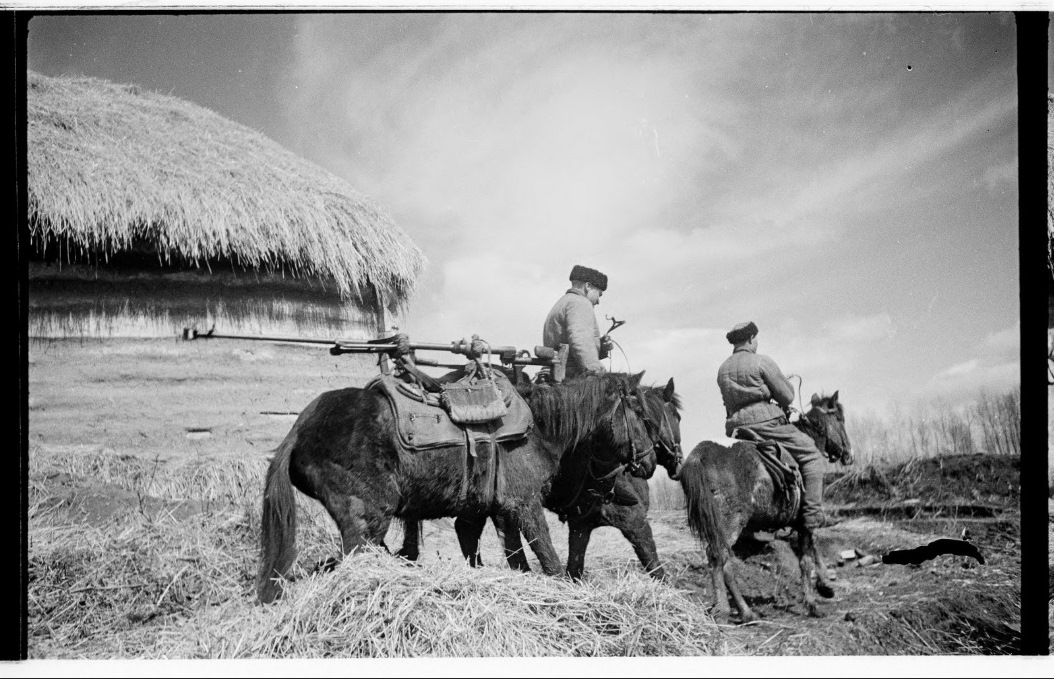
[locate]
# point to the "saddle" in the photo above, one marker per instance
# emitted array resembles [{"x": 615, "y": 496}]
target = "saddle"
[
  {"x": 781, "y": 466},
  {"x": 474, "y": 405}
]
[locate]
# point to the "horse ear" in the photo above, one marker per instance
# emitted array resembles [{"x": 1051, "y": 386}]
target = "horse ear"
[
  {"x": 834, "y": 398},
  {"x": 634, "y": 380},
  {"x": 816, "y": 400},
  {"x": 667, "y": 394}
]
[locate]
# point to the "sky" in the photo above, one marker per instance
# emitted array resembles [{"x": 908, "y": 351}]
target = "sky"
[{"x": 846, "y": 181}]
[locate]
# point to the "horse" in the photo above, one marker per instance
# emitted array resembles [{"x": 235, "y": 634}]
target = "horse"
[
  {"x": 729, "y": 490},
  {"x": 584, "y": 498},
  {"x": 343, "y": 452}
]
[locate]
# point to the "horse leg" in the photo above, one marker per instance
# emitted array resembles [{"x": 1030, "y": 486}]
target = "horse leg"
[
  {"x": 745, "y": 614},
  {"x": 633, "y": 523},
  {"x": 357, "y": 524},
  {"x": 536, "y": 530},
  {"x": 411, "y": 548},
  {"x": 578, "y": 534},
  {"x": 509, "y": 535},
  {"x": 728, "y": 576},
  {"x": 823, "y": 586},
  {"x": 717, "y": 558},
  {"x": 469, "y": 526},
  {"x": 807, "y": 552}
]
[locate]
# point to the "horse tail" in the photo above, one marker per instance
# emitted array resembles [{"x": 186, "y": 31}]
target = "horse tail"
[
  {"x": 278, "y": 524},
  {"x": 703, "y": 517}
]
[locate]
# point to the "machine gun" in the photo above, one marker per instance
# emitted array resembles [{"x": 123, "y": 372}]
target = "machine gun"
[{"x": 400, "y": 348}]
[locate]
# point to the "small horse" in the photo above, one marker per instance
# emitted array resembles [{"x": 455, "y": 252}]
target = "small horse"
[
  {"x": 584, "y": 500},
  {"x": 343, "y": 451},
  {"x": 582, "y": 495},
  {"x": 591, "y": 455},
  {"x": 729, "y": 490}
]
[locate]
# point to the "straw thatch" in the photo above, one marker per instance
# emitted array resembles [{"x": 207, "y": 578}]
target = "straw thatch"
[{"x": 114, "y": 170}]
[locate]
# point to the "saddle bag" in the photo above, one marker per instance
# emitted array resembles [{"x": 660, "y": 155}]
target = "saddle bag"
[{"x": 473, "y": 402}]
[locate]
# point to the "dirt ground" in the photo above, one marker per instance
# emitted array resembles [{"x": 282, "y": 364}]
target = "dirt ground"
[{"x": 217, "y": 404}]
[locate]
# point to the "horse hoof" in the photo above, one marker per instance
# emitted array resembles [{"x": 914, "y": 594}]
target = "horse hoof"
[
  {"x": 721, "y": 616},
  {"x": 825, "y": 591},
  {"x": 744, "y": 618},
  {"x": 409, "y": 556},
  {"x": 815, "y": 612}
]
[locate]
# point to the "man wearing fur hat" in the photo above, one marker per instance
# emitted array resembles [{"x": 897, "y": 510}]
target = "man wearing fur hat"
[
  {"x": 749, "y": 383},
  {"x": 572, "y": 322}
]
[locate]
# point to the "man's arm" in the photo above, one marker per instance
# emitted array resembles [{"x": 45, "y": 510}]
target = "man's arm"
[
  {"x": 582, "y": 333},
  {"x": 781, "y": 388}
]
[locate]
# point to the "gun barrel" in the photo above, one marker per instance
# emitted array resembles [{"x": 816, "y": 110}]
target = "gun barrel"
[
  {"x": 192, "y": 334},
  {"x": 509, "y": 354}
]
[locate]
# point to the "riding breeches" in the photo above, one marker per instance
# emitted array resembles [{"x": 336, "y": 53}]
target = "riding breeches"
[{"x": 810, "y": 463}]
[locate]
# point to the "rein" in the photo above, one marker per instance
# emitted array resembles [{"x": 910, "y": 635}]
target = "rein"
[
  {"x": 660, "y": 442},
  {"x": 601, "y": 497},
  {"x": 801, "y": 403}
]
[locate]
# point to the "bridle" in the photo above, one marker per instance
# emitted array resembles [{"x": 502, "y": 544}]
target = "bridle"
[
  {"x": 822, "y": 428},
  {"x": 661, "y": 446},
  {"x": 603, "y": 483},
  {"x": 634, "y": 403}
]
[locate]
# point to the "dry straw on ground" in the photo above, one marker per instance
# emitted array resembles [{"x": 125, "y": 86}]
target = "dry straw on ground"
[
  {"x": 111, "y": 165},
  {"x": 143, "y": 582},
  {"x": 372, "y": 608}
]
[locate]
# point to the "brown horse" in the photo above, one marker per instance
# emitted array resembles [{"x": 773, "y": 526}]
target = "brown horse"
[
  {"x": 343, "y": 451},
  {"x": 587, "y": 497},
  {"x": 729, "y": 490},
  {"x": 587, "y": 502}
]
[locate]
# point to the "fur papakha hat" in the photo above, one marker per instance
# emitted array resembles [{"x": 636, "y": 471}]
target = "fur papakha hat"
[
  {"x": 584, "y": 273},
  {"x": 741, "y": 333}
]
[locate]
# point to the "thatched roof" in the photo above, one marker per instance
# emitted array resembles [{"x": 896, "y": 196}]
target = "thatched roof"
[{"x": 111, "y": 168}]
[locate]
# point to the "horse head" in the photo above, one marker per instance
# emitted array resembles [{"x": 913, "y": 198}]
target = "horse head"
[
  {"x": 638, "y": 441},
  {"x": 603, "y": 414},
  {"x": 827, "y": 421},
  {"x": 663, "y": 417}
]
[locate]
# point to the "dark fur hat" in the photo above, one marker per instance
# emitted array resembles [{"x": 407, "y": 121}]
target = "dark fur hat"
[
  {"x": 741, "y": 333},
  {"x": 584, "y": 273}
]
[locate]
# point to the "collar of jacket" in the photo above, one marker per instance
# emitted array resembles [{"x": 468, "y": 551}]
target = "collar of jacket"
[
  {"x": 576, "y": 292},
  {"x": 743, "y": 348}
]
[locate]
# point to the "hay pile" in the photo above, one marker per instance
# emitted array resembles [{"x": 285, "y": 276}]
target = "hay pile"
[
  {"x": 371, "y": 608},
  {"x": 114, "y": 169},
  {"x": 149, "y": 584}
]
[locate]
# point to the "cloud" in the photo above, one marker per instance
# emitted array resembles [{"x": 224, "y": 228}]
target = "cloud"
[
  {"x": 957, "y": 371},
  {"x": 1007, "y": 340},
  {"x": 850, "y": 328},
  {"x": 713, "y": 167},
  {"x": 965, "y": 379}
]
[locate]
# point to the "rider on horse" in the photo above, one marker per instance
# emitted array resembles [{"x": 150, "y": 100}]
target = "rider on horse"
[
  {"x": 571, "y": 322},
  {"x": 749, "y": 382}
]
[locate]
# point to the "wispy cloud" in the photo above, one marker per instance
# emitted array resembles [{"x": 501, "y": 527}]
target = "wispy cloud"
[{"x": 716, "y": 168}]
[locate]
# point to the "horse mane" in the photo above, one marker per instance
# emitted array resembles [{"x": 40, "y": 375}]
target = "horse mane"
[{"x": 570, "y": 411}]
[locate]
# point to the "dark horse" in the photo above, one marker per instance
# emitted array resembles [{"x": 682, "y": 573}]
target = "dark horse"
[
  {"x": 585, "y": 496},
  {"x": 729, "y": 490},
  {"x": 343, "y": 451}
]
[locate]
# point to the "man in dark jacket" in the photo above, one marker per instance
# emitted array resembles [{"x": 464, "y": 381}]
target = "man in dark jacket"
[
  {"x": 571, "y": 321},
  {"x": 749, "y": 383}
]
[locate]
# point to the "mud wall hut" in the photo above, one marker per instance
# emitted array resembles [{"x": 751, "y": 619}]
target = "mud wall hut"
[{"x": 148, "y": 214}]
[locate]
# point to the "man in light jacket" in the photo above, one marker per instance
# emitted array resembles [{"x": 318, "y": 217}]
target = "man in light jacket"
[
  {"x": 749, "y": 384},
  {"x": 571, "y": 321}
]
